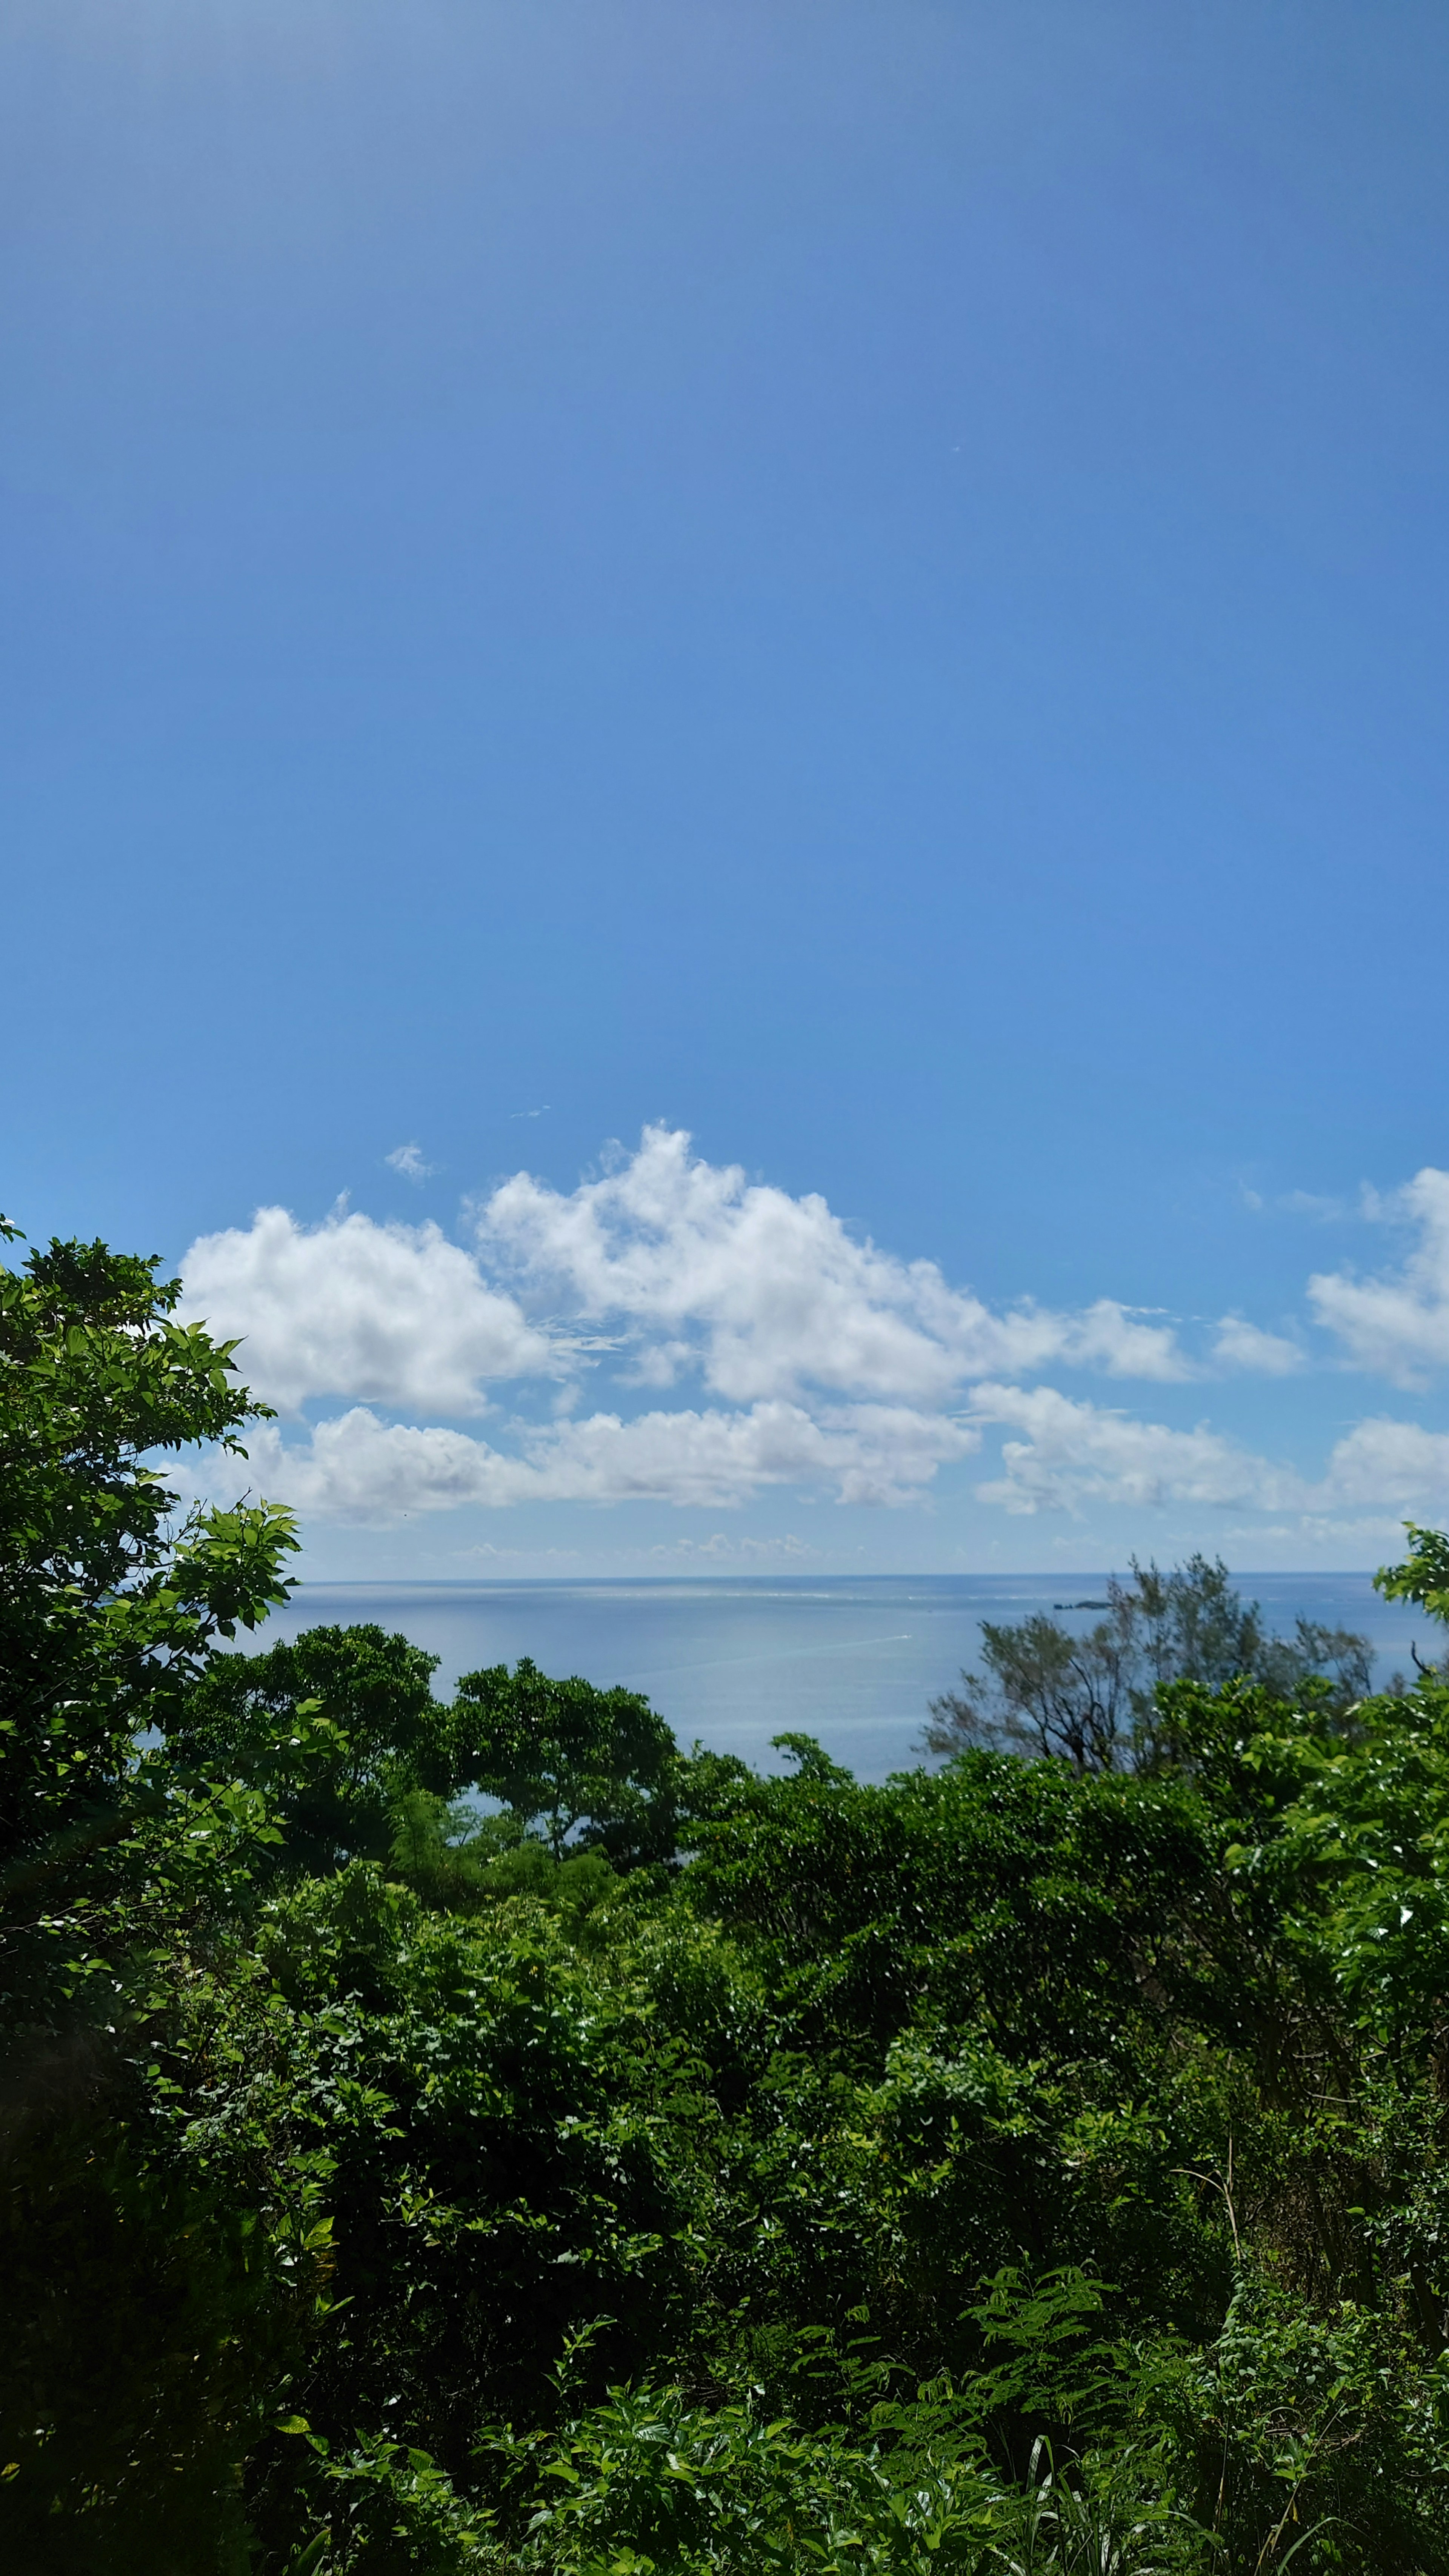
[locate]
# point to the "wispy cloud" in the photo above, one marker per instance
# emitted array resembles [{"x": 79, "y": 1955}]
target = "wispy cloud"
[
  {"x": 717, "y": 1550},
  {"x": 408, "y": 1159},
  {"x": 1318, "y": 1208},
  {"x": 1241, "y": 1345}
]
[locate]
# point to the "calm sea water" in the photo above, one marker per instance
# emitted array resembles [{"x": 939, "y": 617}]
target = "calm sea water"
[{"x": 849, "y": 1660}]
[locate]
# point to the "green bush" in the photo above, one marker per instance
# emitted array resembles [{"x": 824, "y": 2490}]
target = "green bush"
[{"x": 1034, "y": 2165}]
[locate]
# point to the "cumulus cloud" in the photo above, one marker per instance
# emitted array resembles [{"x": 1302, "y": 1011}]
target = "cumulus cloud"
[
  {"x": 408, "y": 1159},
  {"x": 695, "y": 1269},
  {"x": 1397, "y": 1324},
  {"x": 816, "y": 1360},
  {"x": 768, "y": 1295},
  {"x": 1076, "y": 1452},
  {"x": 392, "y": 1313},
  {"x": 1114, "y": 1338},
  {"x": 363, "y": 1470},
  {"x": 1394, "y": 1464},
  {"x": 359, "y": 1468}
]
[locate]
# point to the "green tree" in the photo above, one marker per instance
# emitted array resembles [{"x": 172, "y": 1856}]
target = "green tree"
[
  {"x": 108, "y": 1604},
  {"x": 811, "y": 1761},
  {"x": 135, "y": 2300},
  {"x": 1032, "y": 2163},
  {"x": 1424, "y": 1574},
  {"x": 1089, "y": 1698},
  {"x": 568, "y": 1756},
  {"x": 337, "y": 1725}
]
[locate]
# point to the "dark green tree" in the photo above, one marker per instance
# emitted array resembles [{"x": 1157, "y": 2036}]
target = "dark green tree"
[
  {"x": 109, "y": 1603},
  {"x": 810, "y": 1761},
  {"x": 601, "y": 1764},
  {"x": 136, "y": 2301},
  {"x": 337, "y": 1725},
  {"x": 388, "y": 2191}
]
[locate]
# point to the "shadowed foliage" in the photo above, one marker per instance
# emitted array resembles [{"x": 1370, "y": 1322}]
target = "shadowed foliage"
[{"x": 448, "y": 2134}]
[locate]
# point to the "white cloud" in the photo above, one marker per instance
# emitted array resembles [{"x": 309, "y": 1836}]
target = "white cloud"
[
  {"x": 408, "y": 1159},
  {"x": 760, "y": 1555},
  {"x": 1241, "y": 1345},
  {"x": 362, "y": 1470},
  {"x": 392, "y": 1313},
  {"x": 1112, "y": 1338},
  {"x": 359, "y": 1468},
  {"x": 1394, "y": 1464},
  {"x": 1397, "y": 1325},
  {"x": 768, "y": 1295},
  {"x": 819, "y": 1361},
  {"x": 867, "y": 1453},
  {"x": 1075, "y": 1453}
]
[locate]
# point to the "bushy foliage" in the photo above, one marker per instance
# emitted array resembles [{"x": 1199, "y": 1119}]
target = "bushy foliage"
[
  {"x": 145, "y": 2313},
  {"x": 1039, "y": 2163}
]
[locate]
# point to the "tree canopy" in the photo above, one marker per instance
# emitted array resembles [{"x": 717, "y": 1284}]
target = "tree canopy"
[
  {"x": 107, "y": 1606},
  {"x": 336, "y": 1725},
  {"x": 1036, "y": 2161},
  {"x": 567, "y": 1755}
]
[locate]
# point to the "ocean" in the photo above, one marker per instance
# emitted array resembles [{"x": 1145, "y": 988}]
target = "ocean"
[{"x": 850, "y": 1660}]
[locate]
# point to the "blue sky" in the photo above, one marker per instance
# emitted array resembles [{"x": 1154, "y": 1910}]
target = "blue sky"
[{"x": 866, "y": 583}]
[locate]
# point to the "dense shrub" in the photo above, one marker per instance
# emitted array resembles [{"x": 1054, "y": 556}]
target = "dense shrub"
[{"x": 1038, "y": 2163}]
